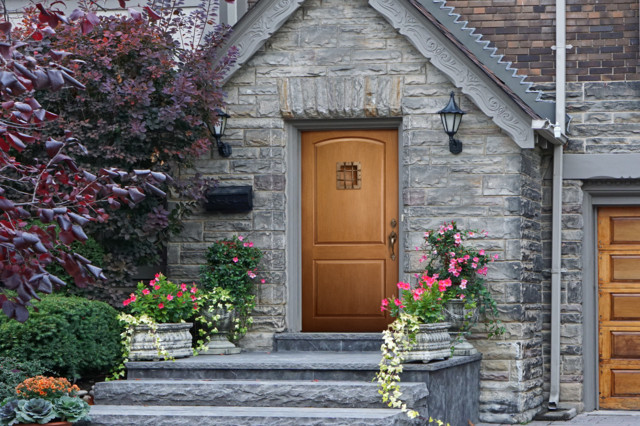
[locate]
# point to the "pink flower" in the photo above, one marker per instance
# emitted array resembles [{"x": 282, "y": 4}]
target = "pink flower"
[
  {"x": 126, "y": 302},
  {"x": 246, "y": 244},
  {"x": 463, "y": 284},
  {"x": 481, "y": 252},
  {"x": 383, "y": 305},
  {"x": 152, "y": 282},
  {"x": 235, "y": 260},
  {"x": 476, "y": 260},
  {"x": 251, "y": 274},
  {"x": 474, "y": 265},
  {"x": 193, "y": 290},
  {"x": 132, "y": 297},
  {"x": 146, "y": 291},
  {"x": 398, "y": 303},
  {"x": 471, "y": 234},
  {"x": 263, "y": 281},
  {"x": 157, "y": 287},
  {"x": 158, "y": 275},
  {"x": 461, "y": 296},
  {"x": 495, "y": 256},
  {"x": 169, "y": 297},
  {"x": 160, "y": 305},
  {"x": 183, "y": 287},
  {"x": 240, "y": 238},
  {"x": 404, "y": 286},
  {"x": 250, "y": 244},
  {"x": 193, "y": 298},
  {"x": 483, "y": 271},
  {"x": 179, "y": 294},
  {"x": 195, "y": 306},
  {"x": 417, "y": 293}
]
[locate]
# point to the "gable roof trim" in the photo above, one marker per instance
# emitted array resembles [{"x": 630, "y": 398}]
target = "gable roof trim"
[
  {"x": 256, "y": 27},
  {"x": 488, "y": 56},
  {"x": 463, "y": 72}
]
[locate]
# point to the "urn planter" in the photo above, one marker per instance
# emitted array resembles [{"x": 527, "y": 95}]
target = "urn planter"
[
  {"x": 219, "y": 343},
  {"x": 174, "y": 338},
  {"x": 456, "y": 313},
  {"x": 432, "y": 342}
]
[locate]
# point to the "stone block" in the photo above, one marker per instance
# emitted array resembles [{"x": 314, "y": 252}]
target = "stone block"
[{"x": 501, "y": 185}]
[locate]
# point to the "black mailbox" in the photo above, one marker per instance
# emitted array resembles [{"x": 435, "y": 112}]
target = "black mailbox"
[{"x": 229, "y": 199}]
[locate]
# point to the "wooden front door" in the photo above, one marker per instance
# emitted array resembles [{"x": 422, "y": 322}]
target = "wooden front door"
[
  {"x": 349, "y": 212},
  {"x": 619, "y": 307}
]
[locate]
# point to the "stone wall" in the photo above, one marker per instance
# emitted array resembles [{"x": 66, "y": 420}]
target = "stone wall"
[{"x": 334, "y": 60}]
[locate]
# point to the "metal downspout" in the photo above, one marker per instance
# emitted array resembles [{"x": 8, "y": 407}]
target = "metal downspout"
[{"x": 556, "y": 226}]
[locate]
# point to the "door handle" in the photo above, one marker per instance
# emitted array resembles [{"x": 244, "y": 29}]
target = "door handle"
[{"x": 393, "y": 237}]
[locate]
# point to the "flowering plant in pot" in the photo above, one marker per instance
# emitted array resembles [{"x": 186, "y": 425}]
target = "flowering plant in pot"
[
  {"x": 447, "y": 256},
  {"x": 156, "y": 326},
  {"x": 419, "y": 333},
  {"x": 44, "y": 400},
  {"x": 228, "y": 282}
]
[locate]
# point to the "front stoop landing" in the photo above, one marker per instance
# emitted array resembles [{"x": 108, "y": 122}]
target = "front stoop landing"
[{"x": 292, "y": 386}]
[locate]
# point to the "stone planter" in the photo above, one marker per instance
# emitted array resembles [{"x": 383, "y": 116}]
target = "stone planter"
[
  {"x": 219, "y": 343},
  {"x": 175, "y": 338},
  {"x": 455, "y": 314},
  {"x": 432, "y": 342}
]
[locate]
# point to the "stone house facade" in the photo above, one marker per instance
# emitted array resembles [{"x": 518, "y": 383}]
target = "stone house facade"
[{"x": 364, "y": 65}]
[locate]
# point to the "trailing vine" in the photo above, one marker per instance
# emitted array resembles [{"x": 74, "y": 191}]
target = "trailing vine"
[
  {"x": 398, "y": 338},
  {"x": 131, "y": 322}
]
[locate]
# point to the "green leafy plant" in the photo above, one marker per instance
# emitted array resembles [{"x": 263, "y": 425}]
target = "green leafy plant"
[
  {"x": 71, "y": 409},
  {"x": 69, "y": 336},
  {"x": 14, "y": 371},
  {"x": 36, "y": 410},
  {"x": 448, "y": 258},
  {"x": 163, "y": 301},
  {"x": 232, "y": 265}
]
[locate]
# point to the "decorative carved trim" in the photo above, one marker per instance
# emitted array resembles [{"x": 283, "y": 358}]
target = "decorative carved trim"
[
  {"x": 466, "y": 75},
  {"x": 255, "y": 28}
]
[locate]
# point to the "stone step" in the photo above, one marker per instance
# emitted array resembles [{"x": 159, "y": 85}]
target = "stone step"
[
  {"x": 350, "y": 366},
  {"x": 332, "y": 342},
  {"x": 204, "y": 416},
  {"x": 245, "y": 393}
]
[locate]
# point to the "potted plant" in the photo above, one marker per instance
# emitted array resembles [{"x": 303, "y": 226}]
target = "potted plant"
[
  {"x": 228, "y": 281},
  {"x": 44, "y": 400},
  {"x": 422, "y": 309},
  {"x": 156, "y": 326},
  {"x": 468, "y": 298}
]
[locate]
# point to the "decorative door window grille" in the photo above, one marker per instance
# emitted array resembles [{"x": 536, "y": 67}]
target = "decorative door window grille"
[{"x": 348, "y": 175}]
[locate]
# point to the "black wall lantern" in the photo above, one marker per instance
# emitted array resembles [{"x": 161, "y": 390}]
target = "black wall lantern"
[
  {"x": 218, "y": 131},
  {"x": 451, "y": 116}
]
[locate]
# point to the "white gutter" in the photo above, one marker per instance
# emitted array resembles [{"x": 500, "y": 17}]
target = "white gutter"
[{"x": 556, "y": 221}]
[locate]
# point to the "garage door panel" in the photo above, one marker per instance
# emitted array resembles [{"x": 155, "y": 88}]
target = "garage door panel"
[{"x": 619, "y": 307}]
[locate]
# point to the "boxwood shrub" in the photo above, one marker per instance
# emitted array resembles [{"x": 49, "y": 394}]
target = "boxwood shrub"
[
  {"x": 69, "y": 336},
  {"x": 13, "y": 372}
]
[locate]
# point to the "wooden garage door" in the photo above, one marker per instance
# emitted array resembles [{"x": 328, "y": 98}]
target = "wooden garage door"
[{"x": 619, "y": 307}]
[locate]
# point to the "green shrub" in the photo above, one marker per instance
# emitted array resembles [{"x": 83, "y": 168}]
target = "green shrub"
[
  {"x": 69, "y": 336},
  {"x": 13, "y": 372}
]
